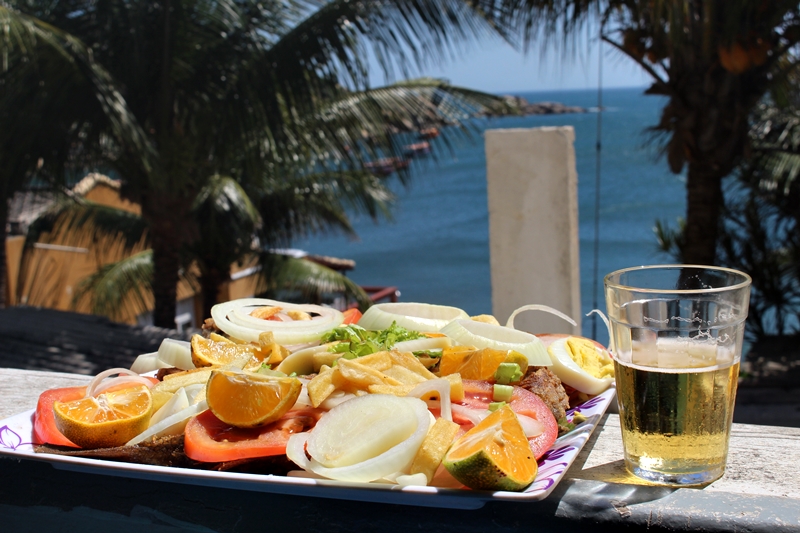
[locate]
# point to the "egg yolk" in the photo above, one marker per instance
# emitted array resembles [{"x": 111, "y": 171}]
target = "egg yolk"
[{"x": 589, "y": 358}]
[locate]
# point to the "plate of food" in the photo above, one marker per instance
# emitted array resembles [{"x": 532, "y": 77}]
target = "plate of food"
[{"x": 408, "y": 403}]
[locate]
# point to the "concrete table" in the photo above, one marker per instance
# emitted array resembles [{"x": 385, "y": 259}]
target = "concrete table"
[{"x": 759, "y": 492}]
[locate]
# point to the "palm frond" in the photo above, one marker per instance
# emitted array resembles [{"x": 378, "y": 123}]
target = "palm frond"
[
  {"x": 296, "y": 278},
  {"x": 776, "y": 142},
  {"x": 671, "y": 240},
  {"x": 335, "y": 40},
  {"x": 76, "y": 103},
  {"x": 73, "y": 221},
  {"x": 227, "y": 221},
  {"x": 352, "y": 127},
  {"x": 318, "y": 203},
  {"x": 119, "y": 290}
]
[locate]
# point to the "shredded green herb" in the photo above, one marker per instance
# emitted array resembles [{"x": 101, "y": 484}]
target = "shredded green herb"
[{"x": 355, "y": 341}]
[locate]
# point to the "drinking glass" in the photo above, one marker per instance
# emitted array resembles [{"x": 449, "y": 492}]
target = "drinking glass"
[{"x": 676, "y": 336}]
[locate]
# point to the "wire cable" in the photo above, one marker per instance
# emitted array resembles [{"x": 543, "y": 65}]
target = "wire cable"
[{"x": 598, "y": 152}]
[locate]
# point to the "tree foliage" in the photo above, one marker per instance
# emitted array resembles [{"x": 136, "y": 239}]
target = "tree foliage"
[
  {"x": 253, "y": 90},
  {"x": 714, "y": 60}
]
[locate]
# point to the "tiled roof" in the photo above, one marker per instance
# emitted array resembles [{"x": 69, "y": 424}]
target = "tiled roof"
[{"x": 35, "y": 338}]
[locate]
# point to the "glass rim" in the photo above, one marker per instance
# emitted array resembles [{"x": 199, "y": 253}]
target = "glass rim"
[{"x": 746, "y": 279}]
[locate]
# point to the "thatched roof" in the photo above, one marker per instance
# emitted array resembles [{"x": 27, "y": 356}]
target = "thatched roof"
[{"x": 26, "y": 206}]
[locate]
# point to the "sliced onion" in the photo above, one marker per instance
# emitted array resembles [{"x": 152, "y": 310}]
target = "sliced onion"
[
  {"x": 91, "y": 389},
  {"x": 193, "y": 392},
  {"x": 407, "y": 480},
  {"x": 176, "y": 353},
  {"x": 336, "y": 398},
  {"x": 301, "y": 362},
  {"x": 303, "y": 401},
  {"x": 537, "y": 307},
  {"x": 482, "y": 335},
  {"x": 604, "y": 318},
  {"x": 412, "y": 316},
  {"x": 113, "y": 382},
  {"x": 441, "y": 386},
  {"x": 234, "y": 319},
  {"x": 176, "y": 404},
  {"x": 147, "y": 362},
  {"x": 296, "y": 449},
  {"x": 531, "y": 426},
  {"x": 171, "y": 425},
  {"x": 423, "y": 345},
  {"x": 473, "y": 415},
  {"x": 397, "y": 458},
  {"x": 296, "y": 347}
]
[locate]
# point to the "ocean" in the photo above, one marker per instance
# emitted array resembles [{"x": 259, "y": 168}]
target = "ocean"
[{"x": 436, "y": 248}]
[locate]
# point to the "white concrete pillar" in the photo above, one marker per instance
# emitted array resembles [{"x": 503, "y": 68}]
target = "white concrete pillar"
[{"x": 532, "y": 187}]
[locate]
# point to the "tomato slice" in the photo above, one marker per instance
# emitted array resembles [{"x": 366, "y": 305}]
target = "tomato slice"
[
  {"x": 207, "y": 439},
  {"x": 45, "y": 430},
  {"x": 44, "y": 422},
  {"x": 478, "y": 395},
  {"x": 351, "y": 316}
]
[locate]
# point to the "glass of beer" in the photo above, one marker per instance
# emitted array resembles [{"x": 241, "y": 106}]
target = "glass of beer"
[{"x": 676, "y": 336}]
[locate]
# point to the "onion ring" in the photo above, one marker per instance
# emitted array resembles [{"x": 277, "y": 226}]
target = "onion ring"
[
  {"x": 95, "y": 387},
  {"x": 537, "y": 307},
  {"x": 423, "y": 345},
  {"x": 483, "y": 335},
  {"x": 473, "y": 415},
  {"x": 440, "y": 385},
  {"x": 426, "y": 318},
  {"x": 234, "y": 319},
  {"x": 397, "y": 458}
]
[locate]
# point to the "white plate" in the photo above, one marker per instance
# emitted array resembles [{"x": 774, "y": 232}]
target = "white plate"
[{"x": 16, "y": 436}]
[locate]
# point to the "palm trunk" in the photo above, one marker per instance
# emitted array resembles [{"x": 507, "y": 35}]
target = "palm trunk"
[
  {"x": 165, "y": 218},
  {"x": 703, "y": 208},
  {"x": 165, "y": 282},
  {"x": 210, "y": 282},
  {"x": 163, "y": 214}
]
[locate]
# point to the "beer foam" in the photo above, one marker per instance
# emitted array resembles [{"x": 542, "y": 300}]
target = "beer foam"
[{"x": 681, "y": 354}]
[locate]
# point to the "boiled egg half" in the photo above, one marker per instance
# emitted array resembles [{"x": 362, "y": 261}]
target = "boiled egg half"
[{"x": 581, "y": 363}]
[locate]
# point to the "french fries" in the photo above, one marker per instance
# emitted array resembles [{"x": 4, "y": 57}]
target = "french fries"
[
  {"x": 388, "y": 372},
  {"x": 434, "y": 447}
]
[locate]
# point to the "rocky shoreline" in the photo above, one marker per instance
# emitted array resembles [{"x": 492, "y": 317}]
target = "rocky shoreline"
[{"x": 542, "y": 108}]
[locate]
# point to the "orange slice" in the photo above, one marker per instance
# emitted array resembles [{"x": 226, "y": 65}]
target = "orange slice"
[
  {"x": 245, "y": 399},
  {"x": 110, "y": 419},
  {"x": 470, "y": 362},
  {"x": 207, "y": 352},
  {"x": 494, "y": 455}
]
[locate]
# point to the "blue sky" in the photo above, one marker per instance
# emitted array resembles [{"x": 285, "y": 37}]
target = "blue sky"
[{"x": 494, "y": 66}]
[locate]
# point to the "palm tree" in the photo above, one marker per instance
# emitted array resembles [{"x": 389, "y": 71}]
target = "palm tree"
[
  {"x": 713, "y": 60},
  {"x": 221, "y": 88},
  {"x": 231, "y": 227},
  {"x": 760, "y": 230},
  {"x": 60, "y": 124},
  {"x": 242, "y": 224},
  {"x": 761, "y": 235}
]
